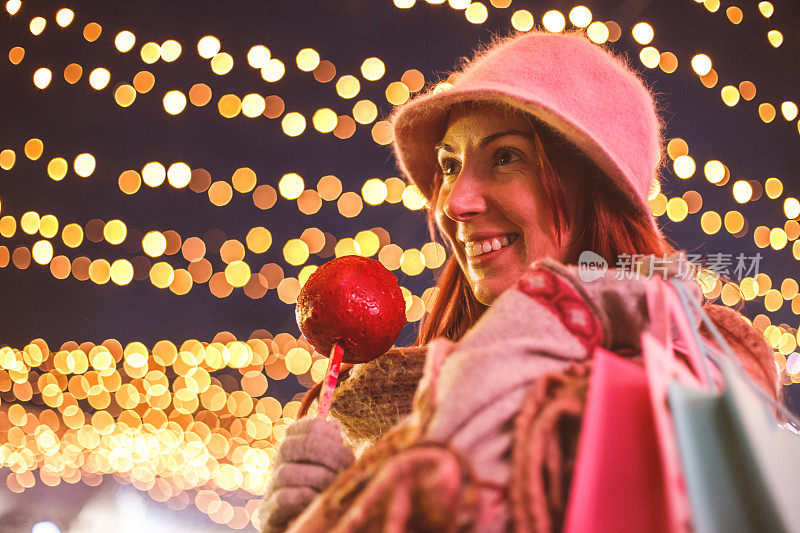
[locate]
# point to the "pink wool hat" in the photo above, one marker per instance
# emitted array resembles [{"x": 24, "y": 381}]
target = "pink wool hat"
[{"x": 576, "y": 87}]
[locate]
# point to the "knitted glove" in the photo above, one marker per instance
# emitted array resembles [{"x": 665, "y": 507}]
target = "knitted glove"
[{"x": 308, "y": 460}]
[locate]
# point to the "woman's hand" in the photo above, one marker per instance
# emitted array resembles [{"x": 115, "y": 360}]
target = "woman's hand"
[{"x": 308, "y": 460}]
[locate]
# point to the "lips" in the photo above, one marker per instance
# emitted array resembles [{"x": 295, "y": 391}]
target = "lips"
[{"x": 476, "y": 248}]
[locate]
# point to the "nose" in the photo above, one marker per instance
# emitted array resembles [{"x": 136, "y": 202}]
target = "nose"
[{"x": 465, "y": 197}]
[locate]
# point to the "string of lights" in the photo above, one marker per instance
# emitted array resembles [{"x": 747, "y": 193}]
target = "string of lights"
[{"x": 191, "y": 424}]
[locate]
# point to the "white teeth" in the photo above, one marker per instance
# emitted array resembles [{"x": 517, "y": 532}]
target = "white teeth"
[{"x": 485, "y": 246}]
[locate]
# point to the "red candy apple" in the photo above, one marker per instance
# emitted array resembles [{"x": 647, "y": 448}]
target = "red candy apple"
[{"x": 353, "y": 301}]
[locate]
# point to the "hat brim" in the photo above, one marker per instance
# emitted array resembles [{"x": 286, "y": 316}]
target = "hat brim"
[{"x": 420, "y": 124}]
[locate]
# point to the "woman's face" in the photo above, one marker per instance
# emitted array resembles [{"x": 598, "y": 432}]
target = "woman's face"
[{"x": 491, "y": 204}]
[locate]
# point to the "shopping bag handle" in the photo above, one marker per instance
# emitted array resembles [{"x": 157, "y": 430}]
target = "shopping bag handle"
[
  {"x": 661, "y": 300},
  {"x": 709, "y": 353}
]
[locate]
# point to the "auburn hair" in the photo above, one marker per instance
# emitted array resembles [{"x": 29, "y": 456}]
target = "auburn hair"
[{"x": 585, "y": 204}]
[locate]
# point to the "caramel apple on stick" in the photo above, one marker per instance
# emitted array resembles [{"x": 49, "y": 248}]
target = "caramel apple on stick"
[{"x": 350, "y": 309}]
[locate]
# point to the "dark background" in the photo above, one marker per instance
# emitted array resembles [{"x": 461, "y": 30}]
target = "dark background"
[{"x": 72, "y": 119}]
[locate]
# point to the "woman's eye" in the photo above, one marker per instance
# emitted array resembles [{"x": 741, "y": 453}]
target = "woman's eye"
[
  {"x": 505, "y": 156},
  {"x": 449, "y": 166}
]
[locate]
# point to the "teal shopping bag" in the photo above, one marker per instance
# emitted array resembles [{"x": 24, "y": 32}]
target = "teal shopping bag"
[{"x": 740, "y": 464}]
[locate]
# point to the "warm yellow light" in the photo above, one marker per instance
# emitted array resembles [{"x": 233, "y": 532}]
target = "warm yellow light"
[
  {"x": 154, "y": 174},
  {"x": 345, "y": 247},
  {"x": 767, "y": 112},
  {"x": 220, "y": 193},
  {"x": 775, "y": 38},
  {"x": 161, "y": 275},
  {"x": 411, "y": 262},
  {"x": 29, "y": 222},
  {"x": 374, "y": 191},
  {"x": 766, "y": 9},
  {"x": 174, "y": 102},
  {"x": 258, "y": 56},
  {"x": 404, "y": 4},
  {"x": 677, "y": 209},
  {"x": 368, "y": 243},
  {"x": 48, "y": 226},
  {"x": 730, "y": 95},
  {"x": 734, "y": 222},
  {"x": 208, "y": 47},
  {"x": 348, "y": 86},
  {"x": 12, "y": 6},
  {"x": 701, "y": 64},
  {"x": 150, "y": 53},
  {"x": 580, "y": 16},
  {"x": 668, "y": 62},
  {"x": 650, "y": 57},
  {"x": 84, "y": 165},
  {"x": 37, "y": 25},
  {"x": 7, "y": 159},
  {"x": 553, "y": 21},
  {"x": 293, "y": 124},
  {"x": 154, "y": 243},
  {"x": 16, "y": 55},
  {"x": 476, "y": 13},
  {"x": 598, "y": 32},
  {"x": 791, "y": 208},
  {"x": 714, "y": 171},
  {"x": 99, "y": 78},
  {"x": 179, "y": 175},
  {"x": 273, "y": 70},
  {"x": 229, "y": 105},
  {"x": 170, "y": 50},
  {"x": 253, "y": 105},
  {"x": 742, "y": 191},
  {"x": 121, "y": 272},
  {"x": 684, "y": 167},
  {"x": 221, "y": 63},
  {"x": 258, "y": 240},
  {"x": 413, "y": 198},
  {"x": 643, "y": 33},
  {"x": 458, "y": 4},
  {"x": 57, "y": 168},
  {"x": 244, "y": 180},
  {"x": 778, "y": 238},
  {"x": 125, "y": 95},
  {"x": 324, "y": 120},
  {"x": 100, "y": 273},
  {"x": 291, "y": 186},
  {"x": 42, "y": 77},
  {"x": 72, "y": 235},
  {"x": 64, "y": 17},
  {"x": 307, "y": 59},
  {"x": 295, "y": 251},
  {"x": 34, "y": 148},
  {"x": 8, "y": 226},
  {"x": 124, "y": 41},
  {"x": 237, "y": 273},
  {"x": 711, "y": 222},
  {"x": 365, "y": 112},
  {"x": 92, "y": 31},
  {"x": 773, "y": 187},
  {"x": 42, "y": 252},
  {"x": 789, "y": 110},
  {"x": 115, "y": 231}
]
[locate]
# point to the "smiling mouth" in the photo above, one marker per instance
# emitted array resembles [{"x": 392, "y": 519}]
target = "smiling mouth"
[{"x": 485, "y": 246}]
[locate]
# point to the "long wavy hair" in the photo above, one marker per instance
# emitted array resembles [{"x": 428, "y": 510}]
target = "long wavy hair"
[{"x": 585, "y": 205}]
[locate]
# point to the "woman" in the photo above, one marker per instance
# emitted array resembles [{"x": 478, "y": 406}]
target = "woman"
[{"x": 544, "y": 148}]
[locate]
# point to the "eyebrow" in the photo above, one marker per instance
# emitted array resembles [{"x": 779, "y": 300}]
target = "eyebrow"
[{"x": 488, "y": 139}]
